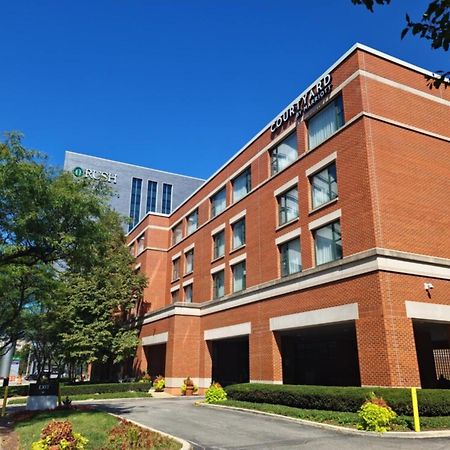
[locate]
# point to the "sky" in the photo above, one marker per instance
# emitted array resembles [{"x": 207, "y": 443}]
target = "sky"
[{"x": 176, "y": 85}]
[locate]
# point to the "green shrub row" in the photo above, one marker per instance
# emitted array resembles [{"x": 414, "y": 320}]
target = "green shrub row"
[
  {"x": 432, "y": 402},
  {"x": 19, "y": 391}
]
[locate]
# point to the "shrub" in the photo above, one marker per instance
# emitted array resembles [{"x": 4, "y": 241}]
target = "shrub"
[
  {"x": 188, "y": 382},
  {"x": 59, "y": 435},
  {"x": 146, "y": 378},
  {"x": 159, "y": 383},
  {"x": 432, "y": 402},
  {"x": 215, "y": 393},
  {"x": 375, "y": 415}
]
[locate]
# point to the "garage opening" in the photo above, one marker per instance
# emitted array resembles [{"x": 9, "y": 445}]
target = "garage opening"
[
  {"x": 230, "y": 360},
  {"x": 156, "y": 359},
  {"x": 433, "y": 353},
  {"x": 322, "y": 355}
]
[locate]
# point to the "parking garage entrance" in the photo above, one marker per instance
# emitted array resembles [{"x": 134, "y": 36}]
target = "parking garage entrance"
[
  {"x": 230, "y": 360},
  {"x": 433, "y": 353},
  {"x": 156, "y": 359},
  {"x": 322, "y": 355}
]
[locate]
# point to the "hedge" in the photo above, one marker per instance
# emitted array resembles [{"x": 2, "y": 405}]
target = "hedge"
[
  {"x": 16, "y": 391},
  {"x": 432, "y": 402}
]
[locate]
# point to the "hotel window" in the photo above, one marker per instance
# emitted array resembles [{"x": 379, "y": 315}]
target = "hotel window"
[
  {"x": 166, "y": 199},
  {"x": 152, "y": 188},
  {"x": 192, "y": 222},
  {"x": 218, "y": 202},
  {"x": 177, "y": 233},
  {"x": 239, "y": 276},
  {"x": 141, "y": 242},
  {"x": 290, "y": 257},
  {"x": 219, "y": 244},
  {"x": 135, "y": 205},
  {"x": 325, "y": 122},
  {"x": 238, "y": 229},
  {"x": 287, "y": 206},
  {"x": 189, "y": 261},
  {"x": 218, "y": 284},
  {"x": 328, "y": 243},
  {"x": 176, "y": 296},
  {"x": 242, "y": 185},
  {"x": 324, "y": 186},
  {"x": 188, "y": 293},
  {"x": 176, "y": 269},
  {"x": 284, "y": 154}
]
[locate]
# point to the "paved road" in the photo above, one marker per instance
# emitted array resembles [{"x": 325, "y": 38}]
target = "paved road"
[{"x": 214, "y": 429}]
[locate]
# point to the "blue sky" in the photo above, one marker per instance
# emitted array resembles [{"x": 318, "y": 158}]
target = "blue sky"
[{"x": 177, "y": 85}]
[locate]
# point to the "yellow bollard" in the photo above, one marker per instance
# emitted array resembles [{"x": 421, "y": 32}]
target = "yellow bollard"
[
  {"x": 5, "y": 396},
  {"x": 415, "y": 409}
]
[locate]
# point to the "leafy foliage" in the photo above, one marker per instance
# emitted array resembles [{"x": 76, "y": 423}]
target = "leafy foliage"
[
  {"x": 159, "y": 383},
  {"x": 375, "y": 415},
  {"x": 215, "y": 393},
  {"x": 60, "y": 435}
]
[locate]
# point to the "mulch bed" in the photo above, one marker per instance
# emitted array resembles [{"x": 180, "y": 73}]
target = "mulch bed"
[{"x": 8, "y": 437}]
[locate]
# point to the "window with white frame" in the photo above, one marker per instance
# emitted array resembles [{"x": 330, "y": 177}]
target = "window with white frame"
[
  {"x": 328, "y": 243},
  {"x": 242, "y": 185},
  {"x": 325, "y": 122},
  {"x": 238, "y": 229},
  {"x": 177, "y": 233},
  {"x": 219, "y": 244},
  {"x": 176, "y": 269},
  {"x": 188, "y": 293},
  {"x": 166, "y": 206},
  {"x": 176, "y": 296},
  {"x": 218, "y": 284},
  {"x": 218, "y": 202},
  {"x": 189, "y": 261},
  {"x": 141, "y": 242},
  {"x": 239, "y": 276},
  {"x": 192, "y": 222},
  {"x": 324, "y": 186},
  {"x": 290, "y": 257},
  {"x": 284, "y": 154},
  {"x": 287, "y": 206}
]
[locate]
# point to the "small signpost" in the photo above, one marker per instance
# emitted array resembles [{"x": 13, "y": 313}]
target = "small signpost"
[{"x": 42, "y": 395}]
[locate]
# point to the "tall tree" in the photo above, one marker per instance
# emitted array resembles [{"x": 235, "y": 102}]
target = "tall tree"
[{"x": 433, "y": 26}]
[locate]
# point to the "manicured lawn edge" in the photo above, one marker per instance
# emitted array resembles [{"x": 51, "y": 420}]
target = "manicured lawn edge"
[{"x": 338, "y": 420}]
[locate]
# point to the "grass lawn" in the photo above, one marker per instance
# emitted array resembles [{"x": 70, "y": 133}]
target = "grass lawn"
[
  {"x": 94, "y": 425},
  {"x": 105, "y": 395},
  {"x": 346, "y": 419}
]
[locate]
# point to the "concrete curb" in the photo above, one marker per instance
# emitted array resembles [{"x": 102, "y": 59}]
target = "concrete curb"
[
  {"x": 343, "y": 430},
  {"x": 185, "y": 444}
]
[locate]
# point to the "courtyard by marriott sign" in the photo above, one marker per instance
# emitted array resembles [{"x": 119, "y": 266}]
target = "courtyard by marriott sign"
[
  {"x": 304, "y": 103},
  {"x": 95, "y": 174}
]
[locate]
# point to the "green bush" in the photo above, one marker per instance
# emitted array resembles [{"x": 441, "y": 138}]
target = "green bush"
[
  {"x": 215, "y": 393},
  {"x": 432, "y": 402},
  {"x": 159, "y": 383},
  {"x": 375, "y": 415}
]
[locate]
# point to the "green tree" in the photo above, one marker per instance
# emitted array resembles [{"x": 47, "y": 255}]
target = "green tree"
[{"x": 433, "y": 26}]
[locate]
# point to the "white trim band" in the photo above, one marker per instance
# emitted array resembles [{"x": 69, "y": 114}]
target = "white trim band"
[
  {"x": 175, "y": 288},
  {"x": 156, "y": 339},
  {"x": 325, "y": 220},
  {"x": 237, "y": 217},
  {"x": 238, "y": 259},
  {"x": 177, "y": 255},
  {"x": 189, "y": 247},
  {"x": 334, "y": 314},
  {"x": 288, "y": 236},
  {"x": 241, "y": 329},
  {"x": 218, "y": 268},
  {"x": 217, "y": 229},
  {"x": 428, "y": 311},
  {"x": 188, "y": 282},
  {"x": 321, "y": 164},
  {"x": 286, "y": 186}
]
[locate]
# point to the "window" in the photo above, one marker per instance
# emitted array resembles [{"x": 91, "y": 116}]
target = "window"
[
  {"x": 242, "y": 185},
  {"x": 238, "y": 233},
  {"x": 141, "y": 242},
  {"x": 328, "y": 243},
  {"x": 218, "y": 202},
  {"x": 239, "y": 276},
  {"x": 219, "y": 244},
  {"x": 176, "y": 296},
  {"x": 189, "y": 261},
  {"x": 135, "y": 205},
  {"x": 287, "y": 206},
  {"x": 188, "y": 293},
  {"x": 290, "y": 258},
  {"x": 166, "y": 199},
  {"x": 284, "y": 154},
  {"x": 218, "y": 284},
  {"x": 176, "y": 269},
  {"x": 152, "y": 187},
  {"x": 325, "y": 122},
  {"x": 192, "y": 222},
  {"x": 324, "y": 186},
  {"x": 177, "y": 233}
]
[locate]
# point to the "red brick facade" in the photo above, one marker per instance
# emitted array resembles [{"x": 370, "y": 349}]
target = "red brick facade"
[{"x": 392, "y": 158}]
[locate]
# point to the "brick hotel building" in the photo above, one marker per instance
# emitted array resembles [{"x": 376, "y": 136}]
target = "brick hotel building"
[{"x": 320, "y": 252}]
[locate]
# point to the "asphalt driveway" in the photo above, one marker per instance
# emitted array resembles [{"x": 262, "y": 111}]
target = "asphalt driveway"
[{"x": 214, "y": 429}]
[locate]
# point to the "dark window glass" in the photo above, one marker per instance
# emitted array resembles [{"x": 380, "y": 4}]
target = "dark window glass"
[
  {"x": 167, "y": 199},
  {"x": 151, "y": 196},
  {"x": 135, "y": 204}
]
